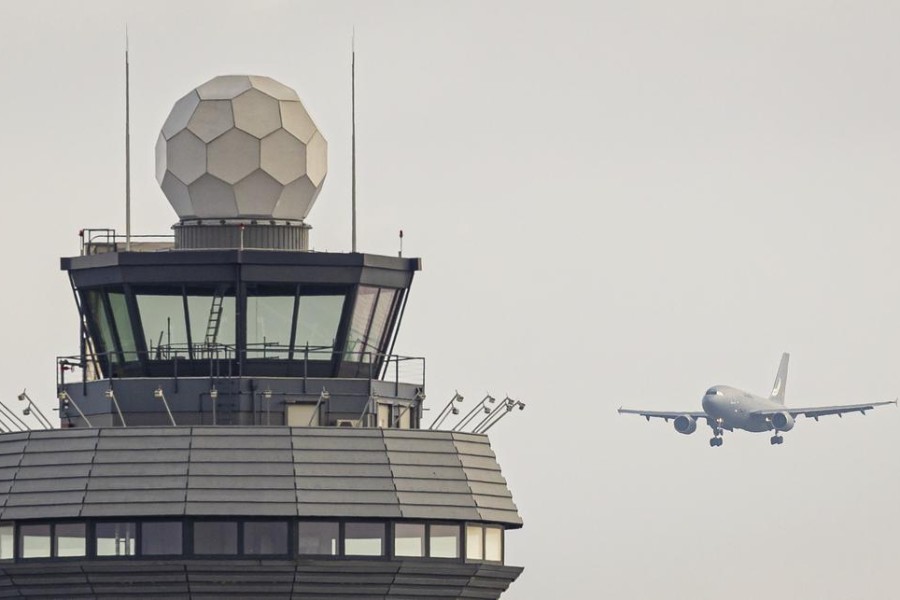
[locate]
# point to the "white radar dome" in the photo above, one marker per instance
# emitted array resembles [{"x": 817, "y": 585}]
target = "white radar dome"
[{"x": 241, "y": 147}]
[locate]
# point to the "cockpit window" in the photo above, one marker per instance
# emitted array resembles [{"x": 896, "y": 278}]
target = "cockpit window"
[{"x": 712, "y": 392}]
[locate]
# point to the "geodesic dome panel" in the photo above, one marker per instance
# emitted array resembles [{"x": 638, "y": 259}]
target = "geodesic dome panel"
[{"x": 241, "y": 147}]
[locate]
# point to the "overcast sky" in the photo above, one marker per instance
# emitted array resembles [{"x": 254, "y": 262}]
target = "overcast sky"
[{"x": 617, "y": 203}]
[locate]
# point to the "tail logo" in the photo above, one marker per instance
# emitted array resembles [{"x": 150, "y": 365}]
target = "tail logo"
[{"x": 777, "y": 389}]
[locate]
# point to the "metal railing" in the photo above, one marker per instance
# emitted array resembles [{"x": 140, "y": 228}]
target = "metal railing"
[
  {"x": 222, "y": 362},
  {"x": 101, "y": 241}
]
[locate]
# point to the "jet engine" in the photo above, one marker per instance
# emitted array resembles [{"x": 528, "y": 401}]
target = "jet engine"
[
  {"x": 782, "y": 421},
  {"x": 686, "y": 424}
]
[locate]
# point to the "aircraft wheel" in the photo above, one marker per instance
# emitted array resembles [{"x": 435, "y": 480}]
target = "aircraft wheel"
[
  {"x": 713, "y": 442},
  {"x": 773, "y": 440},
  {"x": 780, "y": 440}
]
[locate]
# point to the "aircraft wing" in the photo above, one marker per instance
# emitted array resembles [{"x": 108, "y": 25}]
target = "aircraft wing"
[
  {"x": 824, "y": 411},
  {"x": 658, "y": 414}
]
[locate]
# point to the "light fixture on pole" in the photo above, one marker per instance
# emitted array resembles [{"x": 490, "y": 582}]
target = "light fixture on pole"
[
  {"x": 158, "y": 394},
  {"x": 447, "y": 410},
  {"x": 481, "y": 406},
  {"x": 38, "y": 415}
]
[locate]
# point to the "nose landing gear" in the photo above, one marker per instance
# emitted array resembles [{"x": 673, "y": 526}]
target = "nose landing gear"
[
  {"x": 717, "y": 439},
  {"x": 776, "y": 439}
]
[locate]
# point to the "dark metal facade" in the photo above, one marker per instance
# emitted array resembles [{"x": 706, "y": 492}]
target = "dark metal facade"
[{"x": 250, "y": 580}]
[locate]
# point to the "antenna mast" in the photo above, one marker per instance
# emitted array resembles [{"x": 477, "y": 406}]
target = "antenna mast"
[
  {"x": 353, "y": 135},
  {"x": 127, "y": 151}
]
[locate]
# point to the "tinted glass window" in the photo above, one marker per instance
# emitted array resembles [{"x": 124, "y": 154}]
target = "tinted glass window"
[
  {"x": 380, "y": 318},
  {"x": 269, "y": 321},
  {"x": 444, "y": 541},
  {"x": 409, "y": 539},
  {"x": 265, "y": 537},
  {"x": 119, "y": 310},
  {"x": 161, "y": 538},
  {"x": 364, "y": 539},
  {"x": 69, "y": 539},
  {"x": 102, "y": 324},
  {"x": 165, "y": 329},
  {"x": 215, "y": 537},
  {"x": 209, "y": 324},
  {"x": 34, "y": 541},
  {"x": 115, "y": 539},
  {"x": 317, "y": 325},
  {"x": 318, "y": 537},
  {"x": 359, "y": 325}
]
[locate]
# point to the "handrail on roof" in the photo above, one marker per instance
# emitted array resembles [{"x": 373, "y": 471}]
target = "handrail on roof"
[{"x": 104, "y": 240}]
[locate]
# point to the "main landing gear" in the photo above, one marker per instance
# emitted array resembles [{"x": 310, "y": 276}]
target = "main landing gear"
[
  {"x": 776, "y": 439},
  {"x": 717, "y": 439}
]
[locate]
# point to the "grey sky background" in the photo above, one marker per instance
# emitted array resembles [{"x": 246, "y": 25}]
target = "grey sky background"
[{"x": 617, "y": 203}]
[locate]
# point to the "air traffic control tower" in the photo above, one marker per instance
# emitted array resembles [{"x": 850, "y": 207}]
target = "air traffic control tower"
[{"x": 236, "y": 424}]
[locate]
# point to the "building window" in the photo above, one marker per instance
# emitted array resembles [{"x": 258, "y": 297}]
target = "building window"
[
  {"x": 484, "y": 543},
  {"x": 493, "y": 544},
  {"x": 161, "y": 538},
  {"x": 364, "y": 539},
  {"x": 378, "y": 329},
  {"x": 474, "y": 542},
  {"x": 97, "y": 308},
  {"x": 359, "y": 324},
  {"x": 7, "y": 537},
  {"x": 119, "y": 308},
  {"x": 319, "y": 538},
  {"x": 69, "y": 539},
  {"x": 34, "y": 541},
  {"x": 443, "y": 541},
  {"x": 163, "y": 320},
  {"x": 115, "y": 539},
  {"x": 265, "y": 537},
  {"x": 215, "y": 537},
  {"x": 212, "y": 317},
  {"x": 318, "y": 318},
  {"x": 269, "y": 322},
  {"x": 409, "y": 539}
]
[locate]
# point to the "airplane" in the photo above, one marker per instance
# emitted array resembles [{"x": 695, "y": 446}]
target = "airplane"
[{"x": 727, "y": 408}]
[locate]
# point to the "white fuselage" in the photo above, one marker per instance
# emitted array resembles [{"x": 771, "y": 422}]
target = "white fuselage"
[{"x": 733, "y": 409}]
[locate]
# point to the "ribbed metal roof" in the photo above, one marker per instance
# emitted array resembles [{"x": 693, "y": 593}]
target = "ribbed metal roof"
[
  {"x": 214, "y": 580},
  {"x": 252, "y": 471}
]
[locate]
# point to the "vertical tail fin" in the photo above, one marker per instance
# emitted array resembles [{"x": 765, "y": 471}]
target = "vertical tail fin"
[{"x": 777, "y": 394}]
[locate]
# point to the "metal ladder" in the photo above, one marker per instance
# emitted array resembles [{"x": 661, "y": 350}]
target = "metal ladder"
[{"x": 215, "y": 319}]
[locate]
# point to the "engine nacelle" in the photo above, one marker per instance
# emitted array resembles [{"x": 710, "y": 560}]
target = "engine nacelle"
[
  {"x": 782, "y": 421},
  {"x": 685, "y": 424}
]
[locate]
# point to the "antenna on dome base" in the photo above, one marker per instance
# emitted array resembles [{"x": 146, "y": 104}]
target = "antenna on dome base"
[
  {"x": 353, "y": 136},
  {"x": 127, "y": 151}
]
